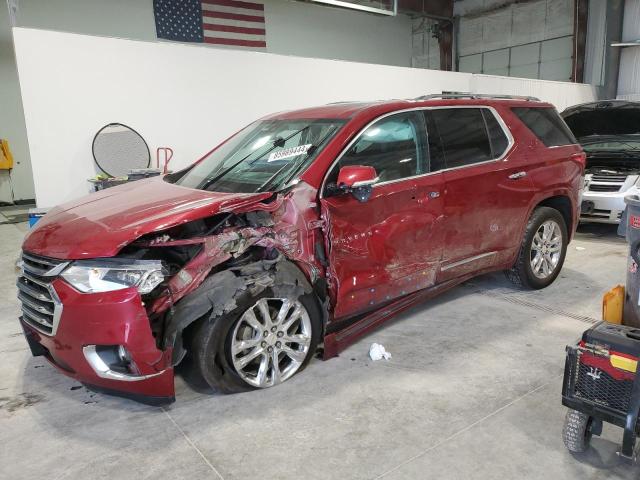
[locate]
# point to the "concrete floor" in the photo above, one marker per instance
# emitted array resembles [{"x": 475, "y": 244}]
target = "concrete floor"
[{"x": 472, "y": 391}]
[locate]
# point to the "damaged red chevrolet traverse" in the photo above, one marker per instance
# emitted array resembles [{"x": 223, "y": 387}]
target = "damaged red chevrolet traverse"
[{"x": 306, "y": 228}]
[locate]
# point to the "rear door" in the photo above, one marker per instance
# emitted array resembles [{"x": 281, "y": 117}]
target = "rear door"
[
  {"x": 390, "y": 245},
  {"x": 487, "y": 189}
]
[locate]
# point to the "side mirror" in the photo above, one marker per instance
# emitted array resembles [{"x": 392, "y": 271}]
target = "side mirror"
[{"x": 358, "y": 180}]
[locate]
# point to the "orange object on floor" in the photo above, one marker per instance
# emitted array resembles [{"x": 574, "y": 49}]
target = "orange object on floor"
[{"x": 612, "y": 305}]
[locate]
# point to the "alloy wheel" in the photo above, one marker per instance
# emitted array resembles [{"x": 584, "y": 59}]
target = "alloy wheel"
[
  {"x": 546, "y": 249},
  {"x": 271, "y": 341}
]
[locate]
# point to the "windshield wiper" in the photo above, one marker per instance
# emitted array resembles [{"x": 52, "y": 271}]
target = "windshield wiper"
[{"x": 278, "y": 142}]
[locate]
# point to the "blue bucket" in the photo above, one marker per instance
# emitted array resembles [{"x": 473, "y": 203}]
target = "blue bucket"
[{"x": 35, "y": 214}]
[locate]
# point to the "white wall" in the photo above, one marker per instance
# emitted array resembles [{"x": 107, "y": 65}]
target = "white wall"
[
  {"x": 12, "y": 125},
  {"x": 560, "y": 94},
  {"x": 192, "y": 97}
]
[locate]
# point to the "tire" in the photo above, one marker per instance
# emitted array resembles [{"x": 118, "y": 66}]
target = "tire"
[
  {"x": 576, "y": 432},
  {"x": 215, "y": 360},
  {"x": 543, "y": 221}
]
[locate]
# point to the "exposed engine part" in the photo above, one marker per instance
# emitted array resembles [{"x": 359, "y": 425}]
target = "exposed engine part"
[
  {"x": 212, "y": 253},
  {"x": 598, "y": 165},
  {"x": 224, "y": 256},
  {"x": 612, "y": 170}
]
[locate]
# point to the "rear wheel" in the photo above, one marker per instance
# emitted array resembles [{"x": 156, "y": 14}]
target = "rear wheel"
[
  {"x": 262, "y": 343},
  {"x": 576, "y": 433},
  {"x": 542, "y": 251}
]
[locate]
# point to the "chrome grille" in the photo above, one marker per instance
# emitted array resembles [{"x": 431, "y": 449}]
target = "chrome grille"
[
  {"x": 607, "y": 182},
  {"x": 41, "y": 307},
  {"x": 604, "y": 187},
  {"x": 606, "y": 177}
]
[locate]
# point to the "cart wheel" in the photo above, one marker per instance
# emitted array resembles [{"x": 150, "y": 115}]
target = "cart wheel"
[{"x": 576, "y": 433}]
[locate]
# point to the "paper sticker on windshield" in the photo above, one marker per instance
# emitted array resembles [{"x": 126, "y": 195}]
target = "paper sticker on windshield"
[{"x": 289, "y": 152}]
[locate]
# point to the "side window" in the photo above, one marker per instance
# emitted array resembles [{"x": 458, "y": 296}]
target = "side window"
[
  {"x": 546, "y": 124},
  {"x": 497, "y": 137},
  {"x": 392, "y": 146},
  {"x": 463, "y": 135},
  {"x": 436, "y": 153}
]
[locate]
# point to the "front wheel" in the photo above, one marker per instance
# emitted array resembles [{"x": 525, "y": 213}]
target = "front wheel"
[
  {"x": 542, "y": 251},
  {"x": 576, "y": 433},
  {"x": 262, "y": 343}
]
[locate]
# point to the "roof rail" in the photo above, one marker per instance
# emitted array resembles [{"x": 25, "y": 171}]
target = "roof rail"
[
  {"x": 452, "y": 95},
  {"x": 342, "y": 102}
]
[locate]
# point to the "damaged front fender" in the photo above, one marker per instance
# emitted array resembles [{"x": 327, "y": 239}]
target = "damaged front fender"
[
  {"x": 218, "y": 294},
  {"x": 214, "y": 260}
]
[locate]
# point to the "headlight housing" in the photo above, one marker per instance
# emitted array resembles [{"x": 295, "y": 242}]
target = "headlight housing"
[{"x": 91, "y": 276}]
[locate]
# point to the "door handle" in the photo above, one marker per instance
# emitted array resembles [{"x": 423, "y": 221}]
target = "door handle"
[
  {"x": 429, "y": 196},
  {"x": 517, "y": 175}
]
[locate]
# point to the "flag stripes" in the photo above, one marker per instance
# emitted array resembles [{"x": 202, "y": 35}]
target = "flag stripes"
[
  {"x": 218, "y": 22},
  {"x": 234, "y": 22}
]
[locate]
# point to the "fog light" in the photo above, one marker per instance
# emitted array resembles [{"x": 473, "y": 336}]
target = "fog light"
[
  {"x": 114, "y": 362},
  {"x": 116, "y": 358}
]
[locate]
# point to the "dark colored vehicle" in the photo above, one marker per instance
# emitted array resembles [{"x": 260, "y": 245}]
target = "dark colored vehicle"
[
  {"x": 306, "y": 227},
  {"x": 609, "y": 132}
]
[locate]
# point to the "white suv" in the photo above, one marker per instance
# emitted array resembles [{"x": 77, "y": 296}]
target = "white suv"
[{"x": 609, "y": 132}]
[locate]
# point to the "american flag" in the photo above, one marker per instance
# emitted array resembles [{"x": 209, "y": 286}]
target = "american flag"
[{"x": 219, "y": 22}]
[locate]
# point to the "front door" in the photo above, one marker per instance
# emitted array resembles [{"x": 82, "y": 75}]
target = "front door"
[{"x": 390, "y": 245}]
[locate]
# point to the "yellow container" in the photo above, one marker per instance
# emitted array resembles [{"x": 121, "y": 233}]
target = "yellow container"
[
  {"x": 612, "y": 305},
  {"x": 6, "y": 159}
]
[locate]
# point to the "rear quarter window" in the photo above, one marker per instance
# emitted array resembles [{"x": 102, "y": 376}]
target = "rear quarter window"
[{"x": 546, "y": 124}]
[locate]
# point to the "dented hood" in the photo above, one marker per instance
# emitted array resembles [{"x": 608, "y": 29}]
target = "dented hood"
[
  {"x": 100, "y": 224},
  {"x": 604, "y": 118}
]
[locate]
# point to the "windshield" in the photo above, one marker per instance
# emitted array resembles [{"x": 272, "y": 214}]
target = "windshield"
[
  {"x": 266, "y": 155},
  {"x": 613, "y": 145}
]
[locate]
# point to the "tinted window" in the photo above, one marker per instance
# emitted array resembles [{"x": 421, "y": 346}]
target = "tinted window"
[
  {"x": 436, "y": 153},
  {"x": 463, "y": 135},
  {"x": 391, "y": 146},
  {"x": 546, "y": 124},
  {"x": 497, "y": 137}
]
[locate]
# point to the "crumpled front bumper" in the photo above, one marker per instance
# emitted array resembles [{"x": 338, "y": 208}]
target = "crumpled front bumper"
[{"x": 110, "y": 318}]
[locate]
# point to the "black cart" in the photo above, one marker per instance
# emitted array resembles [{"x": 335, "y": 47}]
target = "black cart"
[{"x": 601, "y": 385}]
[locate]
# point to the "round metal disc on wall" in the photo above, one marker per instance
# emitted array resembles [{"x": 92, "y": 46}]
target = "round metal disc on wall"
[{"x": 118, "y": 148}]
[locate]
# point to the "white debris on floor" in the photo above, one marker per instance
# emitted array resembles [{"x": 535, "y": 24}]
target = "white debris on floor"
[{"x": 377, "y": 352}]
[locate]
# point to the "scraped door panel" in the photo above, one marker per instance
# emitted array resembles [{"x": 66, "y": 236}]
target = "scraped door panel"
[
  {"x": 384, "y": 248},
  {"x": 485, "y": 209}
]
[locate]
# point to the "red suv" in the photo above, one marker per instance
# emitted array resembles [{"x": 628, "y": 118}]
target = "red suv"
[{"x": 306, "y": 227}]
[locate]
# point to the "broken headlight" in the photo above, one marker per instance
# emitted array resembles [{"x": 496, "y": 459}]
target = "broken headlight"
[{"x": 90, "y": 276}]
